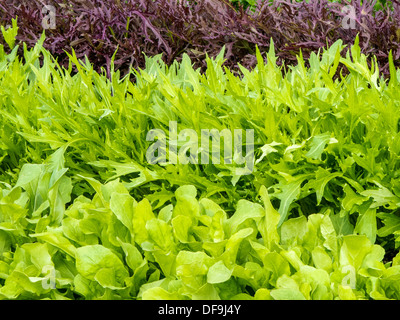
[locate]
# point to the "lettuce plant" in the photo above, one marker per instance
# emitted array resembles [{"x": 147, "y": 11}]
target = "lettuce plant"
[{"x": 112, "y": 246}]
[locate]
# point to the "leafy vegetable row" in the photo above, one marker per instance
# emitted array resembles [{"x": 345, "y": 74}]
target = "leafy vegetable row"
[
  {"x": 114, "y": 247},
  {"x": 97, "y": 29},
  {"x": 252, "y": 4}
]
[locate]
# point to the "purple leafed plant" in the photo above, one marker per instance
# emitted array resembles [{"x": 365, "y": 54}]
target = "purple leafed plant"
[{"x": 97, "y": 29}]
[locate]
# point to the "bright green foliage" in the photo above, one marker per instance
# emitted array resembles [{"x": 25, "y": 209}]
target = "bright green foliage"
[
  {"x": 95, "y": 252},
  {"x": 83, "y": 215}
]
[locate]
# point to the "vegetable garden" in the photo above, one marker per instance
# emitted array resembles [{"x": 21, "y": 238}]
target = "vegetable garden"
[{"x": 85, "y": 215}]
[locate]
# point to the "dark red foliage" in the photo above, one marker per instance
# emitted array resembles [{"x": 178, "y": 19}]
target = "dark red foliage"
[{"x": 98, "y": 28}]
